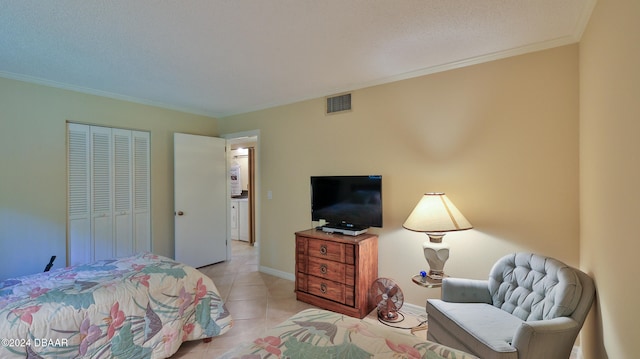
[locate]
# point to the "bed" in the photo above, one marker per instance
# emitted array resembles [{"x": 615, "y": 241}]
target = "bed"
[
  {"x": 143, "y": 306},
  {"x": 316, "y": 333}
]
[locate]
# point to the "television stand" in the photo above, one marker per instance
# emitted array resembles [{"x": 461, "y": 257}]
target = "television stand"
[{"x": 346, "y": 230}]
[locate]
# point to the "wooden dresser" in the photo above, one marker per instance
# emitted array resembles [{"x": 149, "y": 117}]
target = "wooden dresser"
[{"x": 335, "y": 271}]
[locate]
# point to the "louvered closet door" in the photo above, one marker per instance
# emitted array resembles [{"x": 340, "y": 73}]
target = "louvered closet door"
[
  {"x": 141, "y": 192},
  {"x": 79, "y": 216},
  {"x": 122, "y": 193},
  {"x": 102, "y": 193},
  {"x": 109, "y": 206}
]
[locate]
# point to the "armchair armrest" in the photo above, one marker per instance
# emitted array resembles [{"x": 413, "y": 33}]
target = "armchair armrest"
[
  {"x": 461, "y": 290},
  {"x": 553, "y": 338}
]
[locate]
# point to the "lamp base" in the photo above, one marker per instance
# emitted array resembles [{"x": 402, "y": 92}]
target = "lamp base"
[{"x": 436, "y": 253}]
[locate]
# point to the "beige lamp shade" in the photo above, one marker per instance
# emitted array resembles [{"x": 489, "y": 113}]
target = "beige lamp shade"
[{"x": 435, "y": 213}]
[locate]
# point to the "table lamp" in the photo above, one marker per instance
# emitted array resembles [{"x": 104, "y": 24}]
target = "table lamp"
[{"x": 436, "y": 215}]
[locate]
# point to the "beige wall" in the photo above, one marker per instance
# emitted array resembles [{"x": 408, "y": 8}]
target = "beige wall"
[
  {"x": 501, "y": 139},
  {"x": 610, "y": 176},
  {"x": 33, "y": 167}
]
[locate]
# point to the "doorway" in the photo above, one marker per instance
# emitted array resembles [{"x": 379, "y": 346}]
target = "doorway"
[{"x": 243, "y": 157}]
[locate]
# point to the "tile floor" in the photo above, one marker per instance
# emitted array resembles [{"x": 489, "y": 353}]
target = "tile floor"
[{"x": 256, "y": 301}]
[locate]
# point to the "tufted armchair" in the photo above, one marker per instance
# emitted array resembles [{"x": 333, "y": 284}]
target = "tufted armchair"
[{"x": 531, "y": 307}]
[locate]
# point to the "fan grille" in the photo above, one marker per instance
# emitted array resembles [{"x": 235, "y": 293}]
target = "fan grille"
[{"x": 388, "y": 297}]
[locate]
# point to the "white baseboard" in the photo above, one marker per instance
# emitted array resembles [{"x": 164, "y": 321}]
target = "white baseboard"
[{"x": 277, "y": 273}]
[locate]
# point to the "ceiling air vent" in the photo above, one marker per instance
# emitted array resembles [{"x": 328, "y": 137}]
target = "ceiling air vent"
[{"x": 339, "y": 103}]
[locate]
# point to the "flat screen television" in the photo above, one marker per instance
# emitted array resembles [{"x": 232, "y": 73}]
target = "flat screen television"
[{"x": 347, "y": 201}]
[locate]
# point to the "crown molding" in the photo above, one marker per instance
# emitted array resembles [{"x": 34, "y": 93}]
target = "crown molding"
[{"x": 111, "y": 95}]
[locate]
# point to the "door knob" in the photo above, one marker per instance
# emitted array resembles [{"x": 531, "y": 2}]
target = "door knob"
[{"x": 180, "y": 213}]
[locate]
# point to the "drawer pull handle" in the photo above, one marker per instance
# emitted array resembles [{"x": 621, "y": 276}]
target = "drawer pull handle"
[
  {"x": 323, "y": 288},
  {"x": 323, "y": 250},
  {"x": 323, "y": 268}
]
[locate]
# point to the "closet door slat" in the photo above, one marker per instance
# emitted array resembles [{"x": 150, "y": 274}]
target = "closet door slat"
[
  {"x": 142, "y": 190},
  {"x": 78, "y": 189},
  {"x": 102, "y": 193},
  {"x": 122, "y": 184}
]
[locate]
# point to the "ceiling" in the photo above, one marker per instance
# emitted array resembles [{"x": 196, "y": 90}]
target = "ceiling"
[{"x": 224, "y": 57}]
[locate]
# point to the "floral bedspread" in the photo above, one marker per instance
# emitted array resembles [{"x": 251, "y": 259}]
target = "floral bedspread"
[
  {"x": 315, "y": 333},
  {"x": 142, "y": 306}
]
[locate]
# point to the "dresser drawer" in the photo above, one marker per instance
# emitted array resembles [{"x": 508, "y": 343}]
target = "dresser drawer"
[
  {"x": 333, "y": 251},
  {"x": 329, "y": 289},
  {"x": 335, "y": 271}
]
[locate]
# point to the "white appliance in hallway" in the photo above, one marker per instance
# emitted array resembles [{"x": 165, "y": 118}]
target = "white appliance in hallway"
[{"x": 240, "y": 219}]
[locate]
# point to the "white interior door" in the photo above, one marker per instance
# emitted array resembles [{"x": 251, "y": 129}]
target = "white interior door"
[{"x": 200, "y": 190}]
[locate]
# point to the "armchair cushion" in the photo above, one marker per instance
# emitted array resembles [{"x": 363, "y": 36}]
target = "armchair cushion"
[{"x": 483, "y": 328}]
